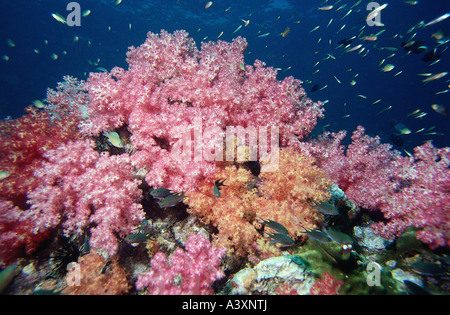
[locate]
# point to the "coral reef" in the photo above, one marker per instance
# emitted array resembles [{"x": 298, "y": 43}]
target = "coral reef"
[
  {"x": 171, "y": 88},
  {"x": 190, "y": 272},
  {"x": 285, "y": 196},
  {"x": 407, "y": 190},
  {"x": 96, "y": 276}
]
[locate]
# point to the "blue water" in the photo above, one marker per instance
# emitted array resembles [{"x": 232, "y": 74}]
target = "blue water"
[{"x": 29, "y": 24}]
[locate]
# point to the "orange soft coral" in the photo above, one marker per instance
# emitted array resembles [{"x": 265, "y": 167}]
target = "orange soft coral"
[
  {"x": 97, "y": 277},
  {"x": 285, "y": 196}
]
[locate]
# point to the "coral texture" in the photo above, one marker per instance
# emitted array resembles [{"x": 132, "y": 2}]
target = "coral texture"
[
  {"x": 285, "y": 196},
  {"x": 81, "y": 189},
  {"x": 171, "y": 87},
  {"x": 191, "y": 271},
  {"x": 407, "y": 190}
]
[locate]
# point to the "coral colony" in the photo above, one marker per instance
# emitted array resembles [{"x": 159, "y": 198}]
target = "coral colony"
[{"x": 82, "y": 168}]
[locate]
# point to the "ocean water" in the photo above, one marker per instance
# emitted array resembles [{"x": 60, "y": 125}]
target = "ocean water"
[{"x": 107, "y": 32}]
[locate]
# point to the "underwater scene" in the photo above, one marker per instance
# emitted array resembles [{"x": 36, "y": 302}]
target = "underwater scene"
[{"x": 227, "y": 148}]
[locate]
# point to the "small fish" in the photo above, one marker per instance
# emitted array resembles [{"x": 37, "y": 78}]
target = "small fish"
[
  {"x": 317, "y": 235},
  {"x": 354, "y": 48},
  {"x": 160, "y": 193},
  {"x": 338, "y": 81},
  {"x": 314, "y": 29},
  {"x": 208, "y": 4},
  {"x": 220, "y": 35},
  {"x": 263, "y": 35},
  {"x": 217, "y": 184},
  {"x": 58, "y": 17},
  {"x": 442, "y": 92},
  {"x": 329, "y": 23},
  {"x": 275, "y": 226},
  {"x": 4, "y": 174},
  {"x": 387, "y": 68},
  {"x": 349, "y": 11},
  {"x": 54, "y": 56},
  {"x": 326, "y": 8},
  {"x": 137, "y": 237},
  {"x": 246, "y": 22},
  {"x": 327, "y": 208},
  {"x": 339, "y": 237},
  {"x": 114, "y": 139},
  {"x": 440, "y": 109},
  {"x": 437, "y": 20},
  {"x": 10, "y": 43},
  {"x": 377, "y": 101},
  {"x": 286, "y": 31},
  {"x": 362, "y": 96},
  {"x": 118, "y": 2},
  {"x": 283, "y": 240},
  {"x": 237, "y": 29},
  {"x": 7, "y": 275},
  {"x": 171, "y": 201},
  {"x": 402, "y": 129},
  {"x": 86, "y": 13},
  {"x": 38, "y": 104},
  {"x": 414, "y": 112},
  {"x": 435, "y": 77},
  {"x": 383, "y": 110}
]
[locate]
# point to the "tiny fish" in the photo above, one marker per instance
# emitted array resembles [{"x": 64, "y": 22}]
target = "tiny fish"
[
  {"x": 318, "y": 236},
  {"x": 327, "y": 208},
  {"x": 339, "y": 237},
  {"x": 137, "y": 237},
  {"x": 437, "y": 20},
  {"x": 262, "y": 35},
  {"x": 275, "y": 226},
  {"x": 435, "y": 77},
  {"x": 160, "y": 193},
  {"x": 326, "y": 8},
  {"x": 283, "y": 240},
  {"x": 217, "y": 184},
  {"x": 171, "y": 201},
  {"x": 208, "y": 4},
  {"x": 58, "y": 17},
  {"x": 440, "y": 109}
]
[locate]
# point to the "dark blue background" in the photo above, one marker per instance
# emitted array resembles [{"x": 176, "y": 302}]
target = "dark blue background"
[{"x": 27, "y": 75}]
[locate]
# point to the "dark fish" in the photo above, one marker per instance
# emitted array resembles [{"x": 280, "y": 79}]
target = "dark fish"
[
  {"x": 432, "y": 55},
  {"x": 275, "y": 226},
  {"x": 137, "y": 237},
  {"x": 430, "y": 269},
  {"x": 171, "y": 201},
  {"x": 346, "y": 41},
  {"x": 160, "y": 193},
  {"x": 339, "y": 237},
  {"x": 217, "y": 184},
  {"x": 397, "y": 140},
  {"x": 318, "y": 236},
  {"x": 315, "y": 88},
  {"x": 415, "y": 289},
  {"x": 283, "y": 240},
  {"x": 415, "y": 47},
  {"x": 327, "y": 208}
]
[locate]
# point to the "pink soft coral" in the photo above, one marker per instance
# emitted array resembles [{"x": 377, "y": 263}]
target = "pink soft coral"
[
  {"x": 191, "y": 272},
  {"x": 170, "y": 84},
  {"x": 407, "y": 190},
  {"x": 80, "y": 188}
]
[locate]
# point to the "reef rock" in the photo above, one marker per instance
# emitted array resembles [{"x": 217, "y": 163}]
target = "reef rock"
[{"x": 271, "y": 276}]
